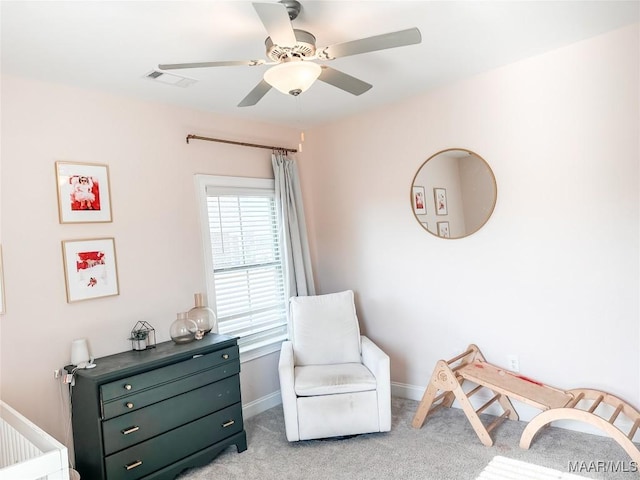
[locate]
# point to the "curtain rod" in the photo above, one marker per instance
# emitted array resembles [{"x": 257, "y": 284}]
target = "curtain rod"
[{"x": 197, "y": 137}]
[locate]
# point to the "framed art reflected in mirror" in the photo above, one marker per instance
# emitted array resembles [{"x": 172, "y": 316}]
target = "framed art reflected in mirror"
[
  {"x": 443, "y": 229},
  {"x": 419, "y": 205},
  {"x": 464, "y": 193}
]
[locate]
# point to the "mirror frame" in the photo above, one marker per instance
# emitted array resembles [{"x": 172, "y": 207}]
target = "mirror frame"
[{"x": 492, "y": 177}]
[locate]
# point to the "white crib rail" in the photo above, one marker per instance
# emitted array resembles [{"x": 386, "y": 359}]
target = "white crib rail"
[{"x": 27, "y": 452}]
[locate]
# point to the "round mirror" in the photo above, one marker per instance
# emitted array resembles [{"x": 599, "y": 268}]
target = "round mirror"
[{"x": 453, "y": 193}]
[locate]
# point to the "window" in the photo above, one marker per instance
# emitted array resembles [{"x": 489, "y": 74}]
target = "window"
[{"x": 243, "y": 261}]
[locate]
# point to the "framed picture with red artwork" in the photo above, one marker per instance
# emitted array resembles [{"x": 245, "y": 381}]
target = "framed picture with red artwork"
[
  {"x": 418, "y": 200},
  {"x": 440, "y": 198},
  {"x": 90, "y": 268},
  {"x": 83, "y": 192}
]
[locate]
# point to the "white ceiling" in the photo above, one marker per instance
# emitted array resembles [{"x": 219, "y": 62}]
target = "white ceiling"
[{"x": 112, "y": 45}]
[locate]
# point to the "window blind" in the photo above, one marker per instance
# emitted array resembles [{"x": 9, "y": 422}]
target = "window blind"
[{"x": 247, "y": 265}]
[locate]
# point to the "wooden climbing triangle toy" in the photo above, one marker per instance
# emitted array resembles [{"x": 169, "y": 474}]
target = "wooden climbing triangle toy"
[{"x": 580, "y": 404}]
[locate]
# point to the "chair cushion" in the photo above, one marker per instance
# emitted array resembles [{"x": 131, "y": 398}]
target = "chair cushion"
[
  {"x": 325, "y": 329},
  {"x": 314, "y": 380}
]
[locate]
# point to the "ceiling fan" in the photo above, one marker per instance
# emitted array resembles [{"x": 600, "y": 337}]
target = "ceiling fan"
[{"x": 292, "y": 52}]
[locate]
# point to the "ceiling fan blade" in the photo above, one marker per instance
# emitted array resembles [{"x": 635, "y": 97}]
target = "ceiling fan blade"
[
  {"x": 276, "y": 21},
  {"x": 255, "y": 95},
  {"x": 400, "y": 38},
  {"x": 172, "y": 66},
  {"x": 343, "y": 81}
]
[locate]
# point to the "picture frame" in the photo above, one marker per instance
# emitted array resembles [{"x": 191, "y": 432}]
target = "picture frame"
[
  {"x": 90, "y": 268},
  {"x": 418, "y": 200},
  {"x": 440, "y": 199},
  {"x": 83, "y": 192},
  {"x": 443, "y": 230},
  {"x": 2, "y": 301}
]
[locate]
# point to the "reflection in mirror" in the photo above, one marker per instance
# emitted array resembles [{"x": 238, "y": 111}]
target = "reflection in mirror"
[{"x": 453, "y": 194}]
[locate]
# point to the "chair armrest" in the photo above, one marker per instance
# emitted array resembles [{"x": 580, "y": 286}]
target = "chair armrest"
[
  {"x": 287, "y": 391},
  {"x": 379, "y": 364}
]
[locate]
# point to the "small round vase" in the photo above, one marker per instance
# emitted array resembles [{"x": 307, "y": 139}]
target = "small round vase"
[
  {"x": 183, "y": 330},
  {"x": 203, "y": 316}
]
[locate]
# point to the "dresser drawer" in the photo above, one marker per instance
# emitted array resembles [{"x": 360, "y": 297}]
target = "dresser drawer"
[
  {"x": 136, "y": 401},
  {"x": 154, "y": 454},
  {"x": 126, "y": 430},
  {"x": 166, "y": 374}
]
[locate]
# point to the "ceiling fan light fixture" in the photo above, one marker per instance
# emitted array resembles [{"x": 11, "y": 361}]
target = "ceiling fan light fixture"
[{"x": 293, "y": 77}]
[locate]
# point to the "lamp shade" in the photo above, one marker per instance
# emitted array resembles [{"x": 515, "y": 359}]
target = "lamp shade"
[
  {"x": 79, "y": 351},
  {"x": 293, "y": 77}
]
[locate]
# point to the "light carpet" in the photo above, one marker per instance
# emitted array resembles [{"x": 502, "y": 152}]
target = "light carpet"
[{"x": 445, "y": 448}]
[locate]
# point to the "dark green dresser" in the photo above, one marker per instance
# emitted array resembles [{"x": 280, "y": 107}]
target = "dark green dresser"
[{"x": 151, "y": 414}]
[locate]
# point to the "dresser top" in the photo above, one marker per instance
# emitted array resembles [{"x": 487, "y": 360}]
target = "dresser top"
[{"x": 166, "y": 352}]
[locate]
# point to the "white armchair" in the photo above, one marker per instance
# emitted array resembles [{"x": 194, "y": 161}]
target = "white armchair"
[{"x": 333, "y": 381}]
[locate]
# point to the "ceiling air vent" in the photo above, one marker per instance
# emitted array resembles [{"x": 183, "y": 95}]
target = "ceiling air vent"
[{"x": 170, "y": 79}]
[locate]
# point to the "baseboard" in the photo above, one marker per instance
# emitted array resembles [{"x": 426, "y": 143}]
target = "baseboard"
[
  {"x": 261, "y": 404},
  {"x": 414, "y": 392},
  {"x": 404, "y": 390}
]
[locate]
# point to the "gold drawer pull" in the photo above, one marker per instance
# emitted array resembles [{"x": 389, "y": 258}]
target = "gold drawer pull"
[
  {"x": 127, "y": 386},
  {"x": 133, "y": 465},
  {"x": 129, "y": 430},
  {"x": 129, "y": 405},
  {"x": 229, "y": 423},
  {"x": 225, "y": 356}
]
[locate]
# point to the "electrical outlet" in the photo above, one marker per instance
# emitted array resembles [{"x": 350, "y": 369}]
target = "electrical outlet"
[
  {"x": 56, "y": 373},
  {"x": 514, "y": 363}
]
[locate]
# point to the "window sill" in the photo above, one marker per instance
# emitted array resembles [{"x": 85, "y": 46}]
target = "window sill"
[{"x": 256, "y": 350}]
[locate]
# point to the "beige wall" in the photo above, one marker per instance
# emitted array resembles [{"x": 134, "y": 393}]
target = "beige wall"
[
  {"x": 552, "y": 277},
  {"x": 155, "y": 226}
]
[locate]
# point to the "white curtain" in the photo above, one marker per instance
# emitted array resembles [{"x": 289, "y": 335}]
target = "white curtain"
[{"x": 299, "y": 276}]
